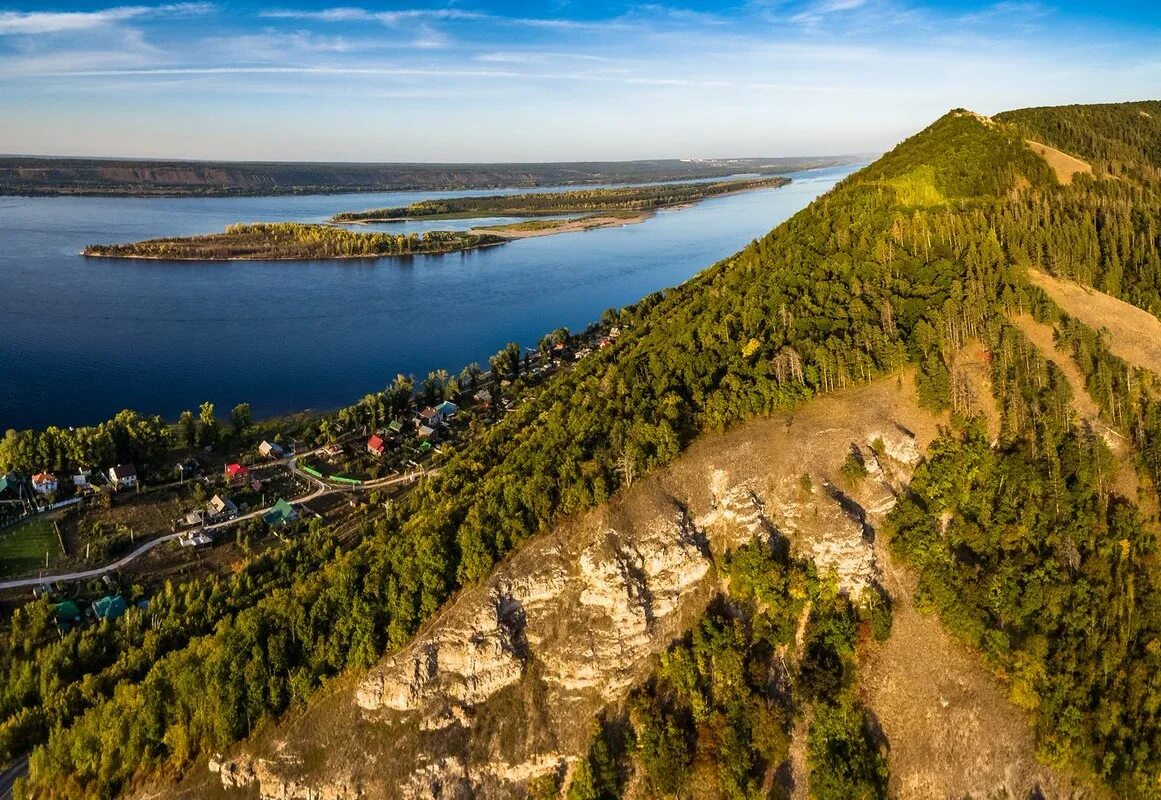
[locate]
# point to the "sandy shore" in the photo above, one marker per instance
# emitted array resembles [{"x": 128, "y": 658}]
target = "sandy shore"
[{"x": 514, "y": 231}]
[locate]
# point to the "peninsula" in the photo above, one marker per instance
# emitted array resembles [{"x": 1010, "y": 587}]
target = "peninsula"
[
  {"x": 618, "y": 205},
  {"x": 292, "y": 241}
]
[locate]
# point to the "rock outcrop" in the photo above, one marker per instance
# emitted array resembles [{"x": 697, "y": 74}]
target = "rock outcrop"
[{"x": 503, "y": 687}]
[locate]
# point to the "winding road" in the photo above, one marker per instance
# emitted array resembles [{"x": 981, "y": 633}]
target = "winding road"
[{"x": 321, "y": 490}]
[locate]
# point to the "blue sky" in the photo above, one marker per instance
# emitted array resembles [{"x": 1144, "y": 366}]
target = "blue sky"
[{"x": 471, "y": 80}]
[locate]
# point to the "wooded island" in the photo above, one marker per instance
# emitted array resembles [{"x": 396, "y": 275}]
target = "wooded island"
[{"x": 292, "y": 241}]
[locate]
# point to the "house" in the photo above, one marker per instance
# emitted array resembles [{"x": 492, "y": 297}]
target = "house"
[
  {"x": 123, "y": 476},
  {"x": 483, "y": 397},
  {"x": 8, "y": 483},
  {"x": 447, "y": 409},
  {"x": 376, "y": 445},
  {"x": 237, "y": 475},
  {"x": 395, "y": 427},
  {"x": 429, "y": 416},
  {"x": 280, "y": 513},
  {"x": 195, "y": 539},
  {"x": 270, "y": 450},
  {"x": 44, "y": 482},
  {"x": 109, "y": 607},
  {"x": 334, "y": 449},
  {"x": 426, "y": 432},
  {"x": 220, "y": 507},
  {"x": 67, "y": 612}
]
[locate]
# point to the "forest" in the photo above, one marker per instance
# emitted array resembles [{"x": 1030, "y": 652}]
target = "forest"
[
  {"x": 630, "y": 198},
  {"x": 277, "y": 241},
  {"x": 1046, "y": 569}
]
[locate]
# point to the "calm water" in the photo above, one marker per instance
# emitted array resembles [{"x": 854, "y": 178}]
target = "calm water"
[{"x": 81, "y": 339}]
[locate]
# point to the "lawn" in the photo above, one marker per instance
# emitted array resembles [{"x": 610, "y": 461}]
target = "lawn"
[{"x": 22, "y": 547}]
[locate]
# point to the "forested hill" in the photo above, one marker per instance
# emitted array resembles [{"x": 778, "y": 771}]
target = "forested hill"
[{"x": 1042, "y": 566}]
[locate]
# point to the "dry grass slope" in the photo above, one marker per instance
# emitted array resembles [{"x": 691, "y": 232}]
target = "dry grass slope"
[{"x": 1063, "y": 164}]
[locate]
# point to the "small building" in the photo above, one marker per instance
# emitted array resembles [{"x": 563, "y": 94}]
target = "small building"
[
  {"x": 8, "y": 483},
  {"x": 376, "y": 446},
  {"x": 195, "y": 539},
  {"x": 429, "y": 416},
  {"x": 44, "y": 482},
  {"x": 237, "y": 474},
  {"x": 187, "y": 469},
  {"x": 222, "y": 507},
  {"x": 123, "y": 476},
  {"x": 280, "y": 514},
  {"x": 109, "y": 607},
  {"x": 483, "y": 397},
  {"x": 193, "y": 518},
  {"x": 270, "y": 450},
  {"x": 334, "y": 449},
  {"x": 447, "y": 409},
  {"x": 395, "y": 426},
  {"x": 67, "y": 613},
  {"x": 425, "y": 432}
]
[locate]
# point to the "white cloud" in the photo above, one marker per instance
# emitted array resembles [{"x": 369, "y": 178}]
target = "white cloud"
[{"x": 40, "y": 22}]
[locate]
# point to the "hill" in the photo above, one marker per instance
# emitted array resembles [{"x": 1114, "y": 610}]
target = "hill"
[{"x": 1019, "y": 542}]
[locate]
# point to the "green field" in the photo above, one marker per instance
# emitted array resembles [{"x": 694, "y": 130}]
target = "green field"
[{"x": 22, "y": 548}]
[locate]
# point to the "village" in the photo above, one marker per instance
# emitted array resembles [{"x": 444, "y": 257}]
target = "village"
[{"x": 96, "y": 542}]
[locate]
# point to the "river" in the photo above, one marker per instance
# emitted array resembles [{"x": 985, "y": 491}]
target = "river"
[{"x": 81, "y": 339}]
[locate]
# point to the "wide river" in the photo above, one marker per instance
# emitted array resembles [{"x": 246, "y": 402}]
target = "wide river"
[{"x": 81, "y": 339}]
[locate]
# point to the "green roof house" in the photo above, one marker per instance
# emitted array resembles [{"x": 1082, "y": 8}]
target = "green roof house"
[
  {"x": 280, "y": 513},
  {"x": 67, "y": 612},
  {"x": 110, "y": 607}
]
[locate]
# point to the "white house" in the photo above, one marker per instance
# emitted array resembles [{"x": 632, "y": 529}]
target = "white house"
[
  {"x": 44, "y": 482},
  {"x": 123, "y": 476}
]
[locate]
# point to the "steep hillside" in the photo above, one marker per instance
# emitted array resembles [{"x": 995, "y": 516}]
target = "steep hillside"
[{"x": 1021, "y": 544}]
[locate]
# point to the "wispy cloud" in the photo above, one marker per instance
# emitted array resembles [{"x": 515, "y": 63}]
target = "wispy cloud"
[
  {"x": 42, "y": 22},
  {"x": 398, "y": 17}
]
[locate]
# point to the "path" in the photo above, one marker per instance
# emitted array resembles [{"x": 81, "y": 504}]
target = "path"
[
  {"x": 322, "y": 489},
  {"x": 9, "y": 776}
]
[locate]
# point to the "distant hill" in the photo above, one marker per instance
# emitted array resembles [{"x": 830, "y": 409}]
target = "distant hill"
[{"x": 92, "y": 176}]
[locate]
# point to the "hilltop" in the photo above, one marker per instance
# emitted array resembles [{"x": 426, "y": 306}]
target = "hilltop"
[{"x": 741, "y": 599}]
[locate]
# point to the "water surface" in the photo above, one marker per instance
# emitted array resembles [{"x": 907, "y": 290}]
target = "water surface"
[{"x": 81, "y": 339}]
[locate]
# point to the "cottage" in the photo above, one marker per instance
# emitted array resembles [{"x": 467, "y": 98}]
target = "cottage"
[
  {"x": 222, "y": 507},
  {"x": 44, "y": 482},
  {"x": 110, "y": 607},
  {"x": 447, "y": 409},
  {"x": 429, "y": 416},
  {"x": 395, "y": 426},
  {"x": 280, "y": 514},
  {"x": 376, "y": 446},
  {"x": 270, "y": 450},
  {"x": 123, "y": 476},
  {"x": 426, "y": 432},
  {"x": 237, "y": 475}
]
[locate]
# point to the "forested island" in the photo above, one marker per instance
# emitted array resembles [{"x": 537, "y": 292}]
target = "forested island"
[
  {"x": 639, "y": 199},
  {"x": 292, "y": 241}
]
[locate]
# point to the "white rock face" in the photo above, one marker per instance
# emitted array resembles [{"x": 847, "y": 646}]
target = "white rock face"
[{"x": 503, "y": 686}]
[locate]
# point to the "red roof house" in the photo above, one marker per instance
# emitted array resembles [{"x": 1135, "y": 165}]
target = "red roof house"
[
  {"x": 376, "y": 445},
  {"x": 236, "y": 474}
]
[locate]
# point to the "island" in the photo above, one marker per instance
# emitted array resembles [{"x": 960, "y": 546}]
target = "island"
[
  {"x": 293, "y": 241},
  {"x": 602, "y": 207}
]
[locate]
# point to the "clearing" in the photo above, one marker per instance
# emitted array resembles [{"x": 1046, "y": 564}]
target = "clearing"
[
  {"x": 1044, "y": 338},
  {"x": 1064, "y": 165},
  {"x": 23, "y": 547},
  {"x": 1134, "y": 334}
]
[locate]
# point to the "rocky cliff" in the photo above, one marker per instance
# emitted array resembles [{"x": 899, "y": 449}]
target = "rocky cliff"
[{"x": 503, "y": 686}]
